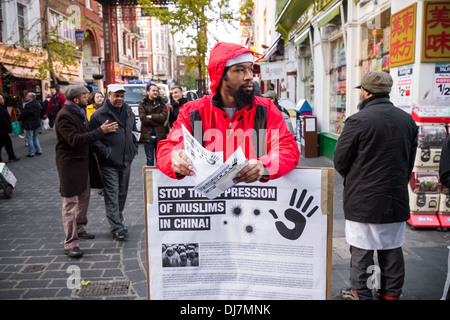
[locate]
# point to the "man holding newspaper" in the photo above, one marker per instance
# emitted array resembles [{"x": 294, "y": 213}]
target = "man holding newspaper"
[{"x": 232, "y": 124}]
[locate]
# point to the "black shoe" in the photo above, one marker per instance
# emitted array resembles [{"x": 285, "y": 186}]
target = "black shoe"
[
  {"x": 38, "y": 153},
  {"x": 15, "y": 159},
  {"x": 74, "y": 252},
  {"x": 30, "y": 155},
  {"x": 119, "y": 236},
  {"x": 85, "y": 235}
]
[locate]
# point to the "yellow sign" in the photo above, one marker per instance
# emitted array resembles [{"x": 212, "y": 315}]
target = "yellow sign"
[
  {"x": 127, "y": 72},
  {"x": 435, "y": 32},
  {"x": 403, "y": 40}
]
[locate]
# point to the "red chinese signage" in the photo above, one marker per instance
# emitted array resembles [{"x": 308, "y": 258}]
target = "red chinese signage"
[
  {"x": 436, "y": 31},
  {"x": 403, "y": 36}
]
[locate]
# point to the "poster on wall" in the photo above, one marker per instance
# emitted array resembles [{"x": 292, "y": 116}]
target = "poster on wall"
[
  {"x": 435, "y": 32},
  {"x": 442, "y": 83},
  {"x": 403, "y": 36},
  {"x": 404, "y": 98},
  {"x": 255, "y": 241}
]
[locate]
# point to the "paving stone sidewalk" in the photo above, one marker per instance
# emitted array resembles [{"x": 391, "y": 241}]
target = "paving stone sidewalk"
[{"x": 33, "y": 264}]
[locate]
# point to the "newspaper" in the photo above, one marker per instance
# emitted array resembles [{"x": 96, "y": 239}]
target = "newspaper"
[{"x": 212, "y": 175}]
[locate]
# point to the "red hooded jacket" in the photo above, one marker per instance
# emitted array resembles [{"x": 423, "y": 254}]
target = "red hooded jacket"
[{"x": 258, "y": 128}]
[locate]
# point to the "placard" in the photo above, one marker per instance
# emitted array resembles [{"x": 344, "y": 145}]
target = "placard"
[
  {"x": 442, "y": 83},
  {"x": 254, "y": 242},
  {"x": 435, "y": 32},
  {"x": 273, "y": 71},
  {"x": 403, "y": 36}
]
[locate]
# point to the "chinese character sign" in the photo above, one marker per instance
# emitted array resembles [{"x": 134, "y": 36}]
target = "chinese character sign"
[
  {"x": 436, "y": 32},
  {"x": 403, "y": 40}
]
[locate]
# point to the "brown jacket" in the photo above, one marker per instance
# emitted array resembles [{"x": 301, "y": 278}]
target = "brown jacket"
[
  {"x": 155, "y": 125},
  {"x": 74, "y": 157}
]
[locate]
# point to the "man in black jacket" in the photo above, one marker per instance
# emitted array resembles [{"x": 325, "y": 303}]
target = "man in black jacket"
[
  {"x": 375, "y": 154},
  {"x": 5, "y": 130},
  {"x": 115, "y": 153},
  {"x": 31, "y": 120}
]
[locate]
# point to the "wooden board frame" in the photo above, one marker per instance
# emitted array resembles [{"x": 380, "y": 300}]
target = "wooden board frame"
[{"x": 327, "y": 195}]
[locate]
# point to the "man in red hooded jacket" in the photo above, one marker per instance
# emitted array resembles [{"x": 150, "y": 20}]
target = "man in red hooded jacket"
[{"x": 230, "y": 117}]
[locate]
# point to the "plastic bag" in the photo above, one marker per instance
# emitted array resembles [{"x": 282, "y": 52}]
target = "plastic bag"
[
  {"x": 17, "y": 128},
  {"x": 46, "y": 124}
]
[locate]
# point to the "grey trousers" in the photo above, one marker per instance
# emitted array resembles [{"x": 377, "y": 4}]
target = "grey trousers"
[
  {"x": 115, "y": 192},
  {"x": 392, "y": 271}
]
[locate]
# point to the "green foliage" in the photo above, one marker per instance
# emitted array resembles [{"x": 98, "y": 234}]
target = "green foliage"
[{"x": 185, "y": 15}]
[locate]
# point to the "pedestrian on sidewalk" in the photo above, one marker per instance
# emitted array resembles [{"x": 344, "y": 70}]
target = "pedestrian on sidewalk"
[
  {"x": 95, "y": 101},
  {"x": 31, "y": 121},
  {"x": 375, "y": 155},
  {"x": 5, "y": 130},
  {"x": 55, "y": 104},
  {"x": 177, "y": 101},
  {"x": 153, "y": 115},
  {"x": 231, "y": 117},
  {"x": 115, "y": 154},
  {"x": 77, "y": 168}
]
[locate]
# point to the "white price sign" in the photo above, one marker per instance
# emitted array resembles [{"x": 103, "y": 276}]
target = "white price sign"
[{"x": 442, "y": 82}]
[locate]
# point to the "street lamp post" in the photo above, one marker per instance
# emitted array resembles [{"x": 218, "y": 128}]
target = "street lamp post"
[{"x": 143, "y": 64}]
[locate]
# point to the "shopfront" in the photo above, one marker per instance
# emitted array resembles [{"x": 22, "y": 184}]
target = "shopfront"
[{"x": 15, "y": 83}]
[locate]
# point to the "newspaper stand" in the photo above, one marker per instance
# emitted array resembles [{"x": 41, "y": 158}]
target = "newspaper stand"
[{"x": 424, "y": 187}]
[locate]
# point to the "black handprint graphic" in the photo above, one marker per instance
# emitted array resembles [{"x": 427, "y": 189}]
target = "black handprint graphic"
[{"x": 295, "y": 216}]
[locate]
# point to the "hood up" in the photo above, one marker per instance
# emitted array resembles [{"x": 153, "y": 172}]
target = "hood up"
[{"x": 218, "y": 57}]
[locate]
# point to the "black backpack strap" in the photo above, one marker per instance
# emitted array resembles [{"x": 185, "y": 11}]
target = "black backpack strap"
[
  {"x": 260, "y": 127},
  {"x": 197, "y": 127}
]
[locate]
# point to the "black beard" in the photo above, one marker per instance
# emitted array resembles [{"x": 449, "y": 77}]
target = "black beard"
[{"x": 244, "y": 99}]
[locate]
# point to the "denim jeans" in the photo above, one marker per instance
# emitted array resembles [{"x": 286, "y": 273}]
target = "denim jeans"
[
  {"x": 33, "y": 142},
  {"x": 115, "y": 192},
  {"x": 150, "y": 151}
]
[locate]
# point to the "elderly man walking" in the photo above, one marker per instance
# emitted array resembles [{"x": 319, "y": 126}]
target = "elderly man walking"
[
  {"x": 76, "y": 164},
  {"x": 115, "y": 154}
]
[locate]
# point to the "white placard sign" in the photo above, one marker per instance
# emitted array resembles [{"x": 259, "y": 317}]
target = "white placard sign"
[
  {"x": 255, "y": 241},
  {"x": 273, "y": 71}
]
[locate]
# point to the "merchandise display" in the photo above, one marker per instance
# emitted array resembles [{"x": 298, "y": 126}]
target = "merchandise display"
[{"x": 429, "y": 201}]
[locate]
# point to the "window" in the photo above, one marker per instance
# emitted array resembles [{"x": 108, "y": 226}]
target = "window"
[
  {"x": 142, "y": 44},
  {"x": 144, "y": 65},
  {"x": 124, "y": 43},
  {"x": 1, "y": 23},
  {"x": 61, "y": 26},
  {"x": 21, "y": 9}
]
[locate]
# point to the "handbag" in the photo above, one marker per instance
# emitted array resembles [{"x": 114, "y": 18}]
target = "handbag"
[{"x": 17, "y": 127}]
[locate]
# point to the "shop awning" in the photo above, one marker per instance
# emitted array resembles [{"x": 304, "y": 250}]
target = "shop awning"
[
  {"x": 22, "y": 72},
  {"x": 273, "y": 48},
  {"x": 301, "y": 37},
  {"x": 64, "y": 80},
  {"x": 289, "y": 16},
  {"x": 329, "y": 16}
]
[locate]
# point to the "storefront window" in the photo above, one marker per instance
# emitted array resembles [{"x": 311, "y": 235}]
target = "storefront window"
[
  {"x": 307, "y": 72},
  {"x": 375, "y": 44},
  {"x": 336, "y": 64},
  {"x": 338, "y": 86}
]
